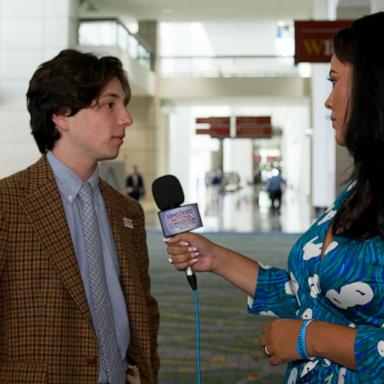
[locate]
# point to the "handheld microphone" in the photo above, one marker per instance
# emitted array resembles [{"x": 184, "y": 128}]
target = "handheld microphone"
[{"x": 174, "y": 217}]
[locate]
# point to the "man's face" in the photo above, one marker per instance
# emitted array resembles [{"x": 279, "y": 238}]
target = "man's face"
[
  {"x": 97, "y": 132},
  {"x": 339, "y": 99}
]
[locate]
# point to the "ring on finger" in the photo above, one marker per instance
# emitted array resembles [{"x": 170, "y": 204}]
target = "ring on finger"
[
  {"x": 266, "y": 351},
  {"x": 170, "y": 260}
]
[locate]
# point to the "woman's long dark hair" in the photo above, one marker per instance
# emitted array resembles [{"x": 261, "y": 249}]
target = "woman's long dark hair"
[{"x": 362, "y": 214}]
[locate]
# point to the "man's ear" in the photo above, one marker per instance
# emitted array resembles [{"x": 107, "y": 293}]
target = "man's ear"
[{"x": 61, "y": 120}]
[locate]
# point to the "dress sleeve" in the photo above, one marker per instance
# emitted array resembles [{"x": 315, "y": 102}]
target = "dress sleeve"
[
  {"x": 369, "y": 354},
  {"x": 275, "y": 294}
]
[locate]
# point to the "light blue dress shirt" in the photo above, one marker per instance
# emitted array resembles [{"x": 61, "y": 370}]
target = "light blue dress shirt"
[{"x": 69, "y": 185}]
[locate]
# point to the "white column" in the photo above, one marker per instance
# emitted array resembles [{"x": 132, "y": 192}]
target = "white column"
[
  {"x": 180, "y": 142},
  {"x": 31, "y": 31},
  {"x": 324, "y": 146}
]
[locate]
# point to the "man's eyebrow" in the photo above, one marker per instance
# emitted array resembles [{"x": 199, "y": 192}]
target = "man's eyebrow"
[{"x": 115, "y": 95}]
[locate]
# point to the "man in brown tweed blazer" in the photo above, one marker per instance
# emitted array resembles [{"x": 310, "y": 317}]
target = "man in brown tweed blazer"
[{"x": 77, "y": 104}]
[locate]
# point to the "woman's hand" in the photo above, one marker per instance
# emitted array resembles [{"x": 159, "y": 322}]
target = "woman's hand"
[
  {"x": 202, "y": 255},
  {"x": 191, "y": 250},
  {"x": 279, "y": 340},
  {"x": 327, "y": 340}
]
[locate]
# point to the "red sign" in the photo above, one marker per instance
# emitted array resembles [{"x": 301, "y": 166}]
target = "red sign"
[
  {"x": 219, "y": 127},
  {"x": 313, "y": 40},
  {"x": 254, "y": 126},
  {"x": 246, "y": 126}
]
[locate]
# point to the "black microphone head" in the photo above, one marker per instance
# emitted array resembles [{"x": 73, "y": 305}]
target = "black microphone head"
[{"x": 167, "y": 192}]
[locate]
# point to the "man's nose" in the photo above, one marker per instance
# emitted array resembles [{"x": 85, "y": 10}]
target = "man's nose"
[{"x": 126, "y": 118}]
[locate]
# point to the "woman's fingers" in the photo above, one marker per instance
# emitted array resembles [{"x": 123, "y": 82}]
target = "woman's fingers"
[
  {"x": 262, "y": 340},
  {"x": 175, "y": 250},
  {"x": 181, "y": 254},
  {"x": 183, "y": 260},
  {"x": 178, "y": 239},
  {"x": 187, "y": 249}
]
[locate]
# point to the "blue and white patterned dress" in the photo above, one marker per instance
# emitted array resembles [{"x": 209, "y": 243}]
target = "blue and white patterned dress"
[{"x": 345, "y": 286}]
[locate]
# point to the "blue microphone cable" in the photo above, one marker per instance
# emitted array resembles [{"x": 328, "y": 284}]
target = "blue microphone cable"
[
  {"x": 191, "y": 277},
  {"x": 195, "y": 299}
]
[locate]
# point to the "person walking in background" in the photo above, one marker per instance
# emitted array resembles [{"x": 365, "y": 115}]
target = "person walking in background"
[
  {"x": 218, "y": 180},
  {"x": 275, "y": 190},
  {"x": 135, "y": 184},
  {"x": 330, "y": 302},
  {"x": 75, "y": 300}
]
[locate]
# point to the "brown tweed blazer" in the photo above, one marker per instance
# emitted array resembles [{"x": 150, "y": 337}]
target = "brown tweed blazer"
[{"x": 46, "y": 332}]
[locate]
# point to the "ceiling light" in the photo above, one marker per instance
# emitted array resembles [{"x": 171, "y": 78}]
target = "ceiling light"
[{"x": 133, "y": 27}]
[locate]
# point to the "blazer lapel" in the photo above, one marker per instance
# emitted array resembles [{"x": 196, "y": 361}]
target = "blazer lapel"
[{"x": 43, "y": 205}]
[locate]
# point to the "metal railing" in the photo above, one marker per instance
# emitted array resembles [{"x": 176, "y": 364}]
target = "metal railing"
[
  {"x": 231, "y": 66},
  {"x": 111, "y": 32}
]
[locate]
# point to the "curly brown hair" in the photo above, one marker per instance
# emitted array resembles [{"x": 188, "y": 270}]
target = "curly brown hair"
[{"x": 69, "y": 82}]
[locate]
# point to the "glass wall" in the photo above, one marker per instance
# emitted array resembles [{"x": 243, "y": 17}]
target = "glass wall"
[{"x": 263, "y": 49}]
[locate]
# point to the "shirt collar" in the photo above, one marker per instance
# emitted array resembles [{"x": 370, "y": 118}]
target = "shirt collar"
[{"x": 68, "y": 182}]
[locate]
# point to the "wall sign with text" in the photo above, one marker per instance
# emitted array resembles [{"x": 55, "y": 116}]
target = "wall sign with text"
[{"x": 313, "y": 40}]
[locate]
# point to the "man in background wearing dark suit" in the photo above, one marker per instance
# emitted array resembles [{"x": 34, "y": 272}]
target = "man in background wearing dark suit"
[{"x": 135, "y": 184}]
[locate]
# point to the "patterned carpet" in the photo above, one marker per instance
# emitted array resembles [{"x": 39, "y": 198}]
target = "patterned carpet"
[{"x": 229, "y": 351}]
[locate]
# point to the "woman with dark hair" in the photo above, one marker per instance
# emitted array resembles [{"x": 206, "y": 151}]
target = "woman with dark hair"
[{"x": 330, "y": 302}]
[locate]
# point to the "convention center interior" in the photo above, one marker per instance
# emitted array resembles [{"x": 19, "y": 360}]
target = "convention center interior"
[{"x": 228, "y": 97}]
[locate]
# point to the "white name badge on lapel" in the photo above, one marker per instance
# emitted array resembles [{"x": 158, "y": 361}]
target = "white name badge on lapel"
[{"x": 128, "y": 223}]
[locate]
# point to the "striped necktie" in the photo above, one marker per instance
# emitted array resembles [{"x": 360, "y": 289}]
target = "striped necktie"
[{"x": 111, "y": 359}]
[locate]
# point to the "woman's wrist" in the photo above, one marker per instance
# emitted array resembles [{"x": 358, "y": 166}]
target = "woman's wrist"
[
  {"x": 218, "y": 262},
  {"x": 223, "y": 260},
  {"x": 332, "y": 341},
  {"x": 301, "y": 342},
  {"x": 312, "y": 339}
]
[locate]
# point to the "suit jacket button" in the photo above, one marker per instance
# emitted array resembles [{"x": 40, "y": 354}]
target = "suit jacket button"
[{"x": 91, "y": 360}]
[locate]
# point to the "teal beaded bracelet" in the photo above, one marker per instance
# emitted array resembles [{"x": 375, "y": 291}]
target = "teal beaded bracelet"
[{"x": 300, "y": 344}]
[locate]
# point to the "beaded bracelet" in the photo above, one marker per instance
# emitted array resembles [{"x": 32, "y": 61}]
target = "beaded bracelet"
[{"x": 300, "y": 344}]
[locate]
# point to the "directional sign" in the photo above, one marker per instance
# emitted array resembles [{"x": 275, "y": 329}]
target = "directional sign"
[
  {"x": 254, "y": 127},
  {"x": 245, "y": 126},
  {"x": 219, "y": 127}
]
